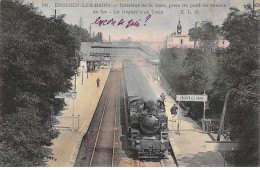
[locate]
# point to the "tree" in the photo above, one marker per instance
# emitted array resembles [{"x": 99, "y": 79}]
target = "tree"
[
  {"x": 200, "y": 65},
  {"x": 206, "y": 34},
  {"x": 99, "y": 37},
  {"x": 81, "y": 34},
  {"x": 234, "y": 69},
  {"x": 36, "y": 55},
  {"x": 196, "y": 70},
  {"x": 172, "y": 69},
  {"x": 239, "y": 72}
]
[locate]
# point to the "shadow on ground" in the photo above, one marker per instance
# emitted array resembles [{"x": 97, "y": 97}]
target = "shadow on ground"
[{"x": 202, "y": 159}]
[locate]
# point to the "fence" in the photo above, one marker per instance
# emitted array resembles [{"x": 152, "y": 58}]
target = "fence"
[
  {"x": 171, "y": 93},
  {"x": 166, "y": 85},
  {"x": 66, "y": 122},
  {"x": 212, "y": 125}
]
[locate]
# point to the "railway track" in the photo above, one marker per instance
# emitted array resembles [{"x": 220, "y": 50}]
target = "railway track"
[
  {"x": 153, "y": 163},
  {"x": 106, "y": 144},
  {"x": 98, "y": 147},
  {"x": 171, "y": 162}
]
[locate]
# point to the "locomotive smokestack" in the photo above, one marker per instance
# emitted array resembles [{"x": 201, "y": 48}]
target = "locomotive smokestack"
[{"x": 150, "y": 106}]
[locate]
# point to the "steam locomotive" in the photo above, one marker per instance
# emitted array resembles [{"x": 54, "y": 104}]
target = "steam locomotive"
[{"x": 146, "y": 119}]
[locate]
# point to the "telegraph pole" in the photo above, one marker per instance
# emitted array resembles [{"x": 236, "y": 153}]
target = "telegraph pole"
[
  {"x": 82, "y": 75},
  {"x": 195, "y": 41},
  {"x": 90, "y": 30},
  {"x": 253, "y": 5},
  {"x": 75, "y": 81},
  {"x": 55, "y": 13},
  {"x": 166, "y": 41},
  {"x": 81, "y": 22}
]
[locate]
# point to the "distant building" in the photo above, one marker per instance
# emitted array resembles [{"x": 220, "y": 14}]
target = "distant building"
[
  {"x": 223, "y": 43},
  {"x": 184, "y": 41},
  {"x": 179, "y": 41}
]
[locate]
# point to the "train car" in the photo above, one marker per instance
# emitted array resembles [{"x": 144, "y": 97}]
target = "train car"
[{"x": 146, "y": 119}]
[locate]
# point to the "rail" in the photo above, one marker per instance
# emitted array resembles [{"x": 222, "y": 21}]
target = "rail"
[
  {"x": 162, "y": 163},
  {"x": 115, "y": 124},
  {"x": 140, "y": 163},
  {"x": 100, "y": 124}
]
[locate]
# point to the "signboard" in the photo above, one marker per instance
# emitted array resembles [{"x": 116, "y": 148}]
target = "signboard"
[
  {"x": 221, "y": 146},
  {"x": 90, "y": 58},
  {"x": 72, "y": 95},
  {"x": 192, "y": 98}
]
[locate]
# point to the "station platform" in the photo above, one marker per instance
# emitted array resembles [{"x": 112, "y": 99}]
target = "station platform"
[
  {"x": 189, "y": 146},
  {"x": 66, "y": 146}
]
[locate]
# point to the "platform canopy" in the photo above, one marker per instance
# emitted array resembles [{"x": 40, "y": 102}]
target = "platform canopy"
[{"x": 91, "y": 50}]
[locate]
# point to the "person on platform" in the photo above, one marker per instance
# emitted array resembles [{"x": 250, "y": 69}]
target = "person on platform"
[
  {"x": 163, "y": 97},
  {"x": 175, "y": 118},
  {"x": 98, "y": 80},
  {"x": 174, "y": 110}
]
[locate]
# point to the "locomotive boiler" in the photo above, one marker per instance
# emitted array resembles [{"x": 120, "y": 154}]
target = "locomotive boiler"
[{"x": 146, "y": 119}]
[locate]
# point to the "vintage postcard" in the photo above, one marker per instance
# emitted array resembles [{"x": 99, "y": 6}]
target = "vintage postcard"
[{"x": 129, "y": 83}]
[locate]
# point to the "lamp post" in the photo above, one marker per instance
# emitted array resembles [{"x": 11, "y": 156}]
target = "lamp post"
[
  {"x": 75, "y": 80},
  {"x": 204, "y": 108},
  {"x": 87, "y": 68},
  {"x": 82, "y": 74}
]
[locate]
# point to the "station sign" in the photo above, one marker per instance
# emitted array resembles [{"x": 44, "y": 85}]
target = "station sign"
[
  {"x": 90, "y": 58},
  {"x": 84, "y": 59},
  {"x": 192, "y": 98},
  {"x": 72, "y": 95}
]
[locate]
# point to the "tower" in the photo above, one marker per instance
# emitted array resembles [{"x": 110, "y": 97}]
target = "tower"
[
  {"x": 80, "y": 30},
  {"x": 90, "y": 30},
  {"x": 81, "y": 22},
  {"x": 179, "y": 27}
]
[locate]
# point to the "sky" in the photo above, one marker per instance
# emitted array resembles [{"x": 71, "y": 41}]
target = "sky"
[{"x": 152, "y": 27}]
